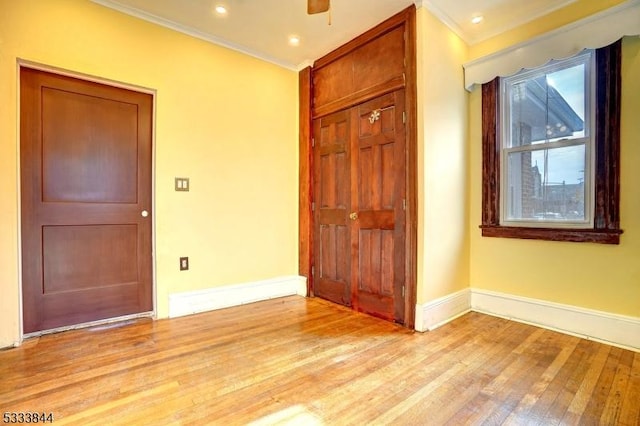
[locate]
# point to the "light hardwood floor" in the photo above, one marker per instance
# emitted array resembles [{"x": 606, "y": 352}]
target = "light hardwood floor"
[{"x": 306, "y": 361}]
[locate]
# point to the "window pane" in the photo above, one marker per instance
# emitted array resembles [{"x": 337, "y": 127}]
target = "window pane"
[
  {"x": 546, "y": 184},
  {"x": 547, "y": 106}
]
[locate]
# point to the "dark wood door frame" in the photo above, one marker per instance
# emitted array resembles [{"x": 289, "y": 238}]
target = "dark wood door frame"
[
  {"x": 307, "y": 113},
  {"x": 26, "y": 64}
]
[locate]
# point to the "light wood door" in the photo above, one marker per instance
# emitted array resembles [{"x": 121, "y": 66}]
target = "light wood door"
[
  {"x": 85, "y": 200},
  {"x": 360, "y": 196}
]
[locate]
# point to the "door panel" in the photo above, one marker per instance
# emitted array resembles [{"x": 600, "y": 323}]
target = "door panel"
[
  {"x": 331, "y": 155},
  {"x": 85, "y": 180},
  {"x": 378, "y": 161},
  {"x": 346, "y": 77},
  {"x": 69, "y": 266},
  {"x": 360, "y": 164},
  {"x": 80, "y": 163}
]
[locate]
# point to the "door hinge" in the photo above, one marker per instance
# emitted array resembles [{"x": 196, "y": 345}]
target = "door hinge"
[
  {"x": 402, "y": 291},
  {"x": 404, "y": 204},
  {"x": 404, "y": 117},
  {"x": 313, "y": 142},
  {"x": 313, "y": 271},
  {"x": 313, "y": 206}
]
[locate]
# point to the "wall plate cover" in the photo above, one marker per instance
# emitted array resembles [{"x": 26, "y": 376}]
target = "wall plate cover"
[
  {"x": 182, "y": 184},
  {"x": 184, "y": 263}
]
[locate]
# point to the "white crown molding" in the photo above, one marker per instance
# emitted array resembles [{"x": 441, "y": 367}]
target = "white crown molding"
[
  {"x": 470, "y": 39},
  {"x": 516, "y": 24},
  {"x": 446, "y": 19},
  {"x": 149, "y": 17}
]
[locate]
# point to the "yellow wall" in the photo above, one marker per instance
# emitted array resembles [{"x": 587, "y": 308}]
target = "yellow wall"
[
  {"x": 595, "y": 276},
  {"x": 225, "y": 120},
  {"x": 443, "y": 243}
]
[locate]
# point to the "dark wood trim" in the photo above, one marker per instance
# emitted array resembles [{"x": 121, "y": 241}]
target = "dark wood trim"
[
  {"x": 411, "y": 135},
  {"x": 305, "y": 179},
  {"x": 554, "y": 234},
  {"x": 606, "y": 228},
  {"x": 395, "y": 21},
  {"x": 358, "y": 97},
  {"x": 491, "y": 153},
  {"x": 608, "y": 96}
]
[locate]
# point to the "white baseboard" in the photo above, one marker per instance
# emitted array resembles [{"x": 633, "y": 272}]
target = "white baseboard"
[
  {"x": 617, "y": 330},
  {"x": 193, "y": 302},
  {"x": 438, "y": 312},
  {"x": 613, "y": 329}
]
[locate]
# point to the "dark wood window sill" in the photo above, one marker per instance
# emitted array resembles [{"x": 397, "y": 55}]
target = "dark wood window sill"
[{"x": 601, "y": 236}]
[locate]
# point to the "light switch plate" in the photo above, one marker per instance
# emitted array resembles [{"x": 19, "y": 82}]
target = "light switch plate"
[
  {"x": 182, "y": 184},
  {"x": 184, "y": 263}
]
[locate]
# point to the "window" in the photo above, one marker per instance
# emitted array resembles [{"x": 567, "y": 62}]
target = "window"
[
  {"x": 546, "y": 145},
  {"x": 551, "y": 150}
]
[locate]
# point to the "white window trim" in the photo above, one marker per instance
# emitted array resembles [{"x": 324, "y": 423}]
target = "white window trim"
[{"x": 588, "y": 140}]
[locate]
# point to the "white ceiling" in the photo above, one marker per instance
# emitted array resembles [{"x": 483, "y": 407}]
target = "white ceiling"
[{"x": 261, "y": 27}]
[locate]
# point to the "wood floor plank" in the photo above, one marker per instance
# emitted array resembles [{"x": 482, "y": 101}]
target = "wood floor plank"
[
  {"x": 118, "y": 406},
  {"x": 613, "y": 403},
  {"x": 553, "y": 405},
  {"x": 404, "y": 399},
  {"x": 523, "y": 412},
  {"x": 325, "y": 370},
  {"x": 582, "y": 399},
  {"x": 307, "y": 361},
  {"x": 127, "y": 359},
  {"x": 629, "y": 413},
  {"x": 391, "y": 384},
  {"x": 602, "y": 388}
]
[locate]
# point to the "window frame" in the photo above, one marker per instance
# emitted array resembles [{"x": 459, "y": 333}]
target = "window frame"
[
  {"x": 606, "y": 182},
  {"x": 586, "y": 58}
]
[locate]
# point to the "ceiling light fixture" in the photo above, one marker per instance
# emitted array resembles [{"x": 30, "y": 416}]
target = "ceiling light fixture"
[
  {"x": 221, "y": 9},
  {"x": 294, "y": 40},
  {"x": 477, "y": 19}
]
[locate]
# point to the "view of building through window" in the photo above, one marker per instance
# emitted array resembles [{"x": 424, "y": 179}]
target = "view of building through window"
[{"x": 546, "y": 143}]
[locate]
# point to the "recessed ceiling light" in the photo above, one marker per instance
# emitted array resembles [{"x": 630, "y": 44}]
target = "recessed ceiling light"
[
  {"x": 477, "y": 19},
  {"x": 294, "y": 40},
  {"x": 221, "y": 9}
]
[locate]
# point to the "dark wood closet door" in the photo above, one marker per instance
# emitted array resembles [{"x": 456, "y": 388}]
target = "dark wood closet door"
[
  {"x": 332, "y": 202},
  {"x": 378, "y": 193},
  {"x": 360, "y": 166},
  {"x": 86, "y": 200}
]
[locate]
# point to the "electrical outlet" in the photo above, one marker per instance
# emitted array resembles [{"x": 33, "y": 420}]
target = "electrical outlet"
[{"x": 184, "y": 263}]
